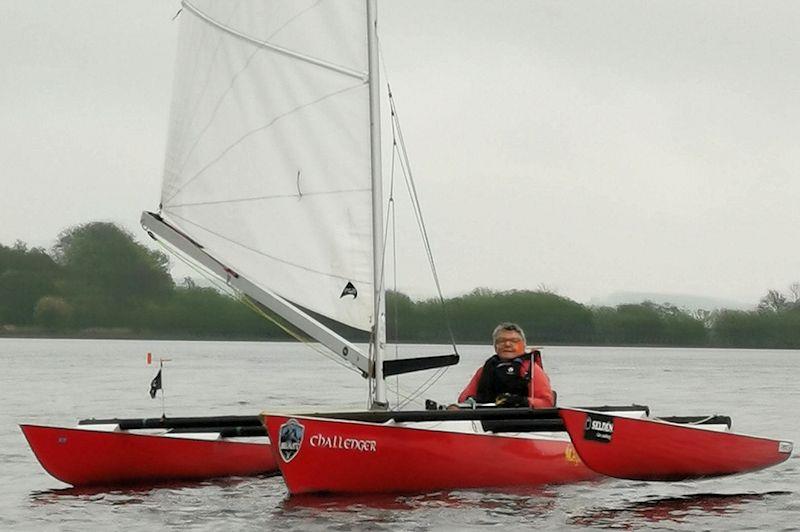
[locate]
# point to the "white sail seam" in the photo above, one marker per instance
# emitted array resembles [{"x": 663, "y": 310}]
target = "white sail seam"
[
  {"x": 193, "y": 114},
  {"x": 216, "y": 108},
  {"x": 273, "y": 196},
  {"x": 230, "y": 85},
  {"x": 248, "y": 248},
  {"x": 253, "y": 132},
  {"x": 363, "y": 76}
]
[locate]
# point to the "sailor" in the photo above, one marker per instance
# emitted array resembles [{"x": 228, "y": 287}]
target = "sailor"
[{"x": 505, "y": 378}]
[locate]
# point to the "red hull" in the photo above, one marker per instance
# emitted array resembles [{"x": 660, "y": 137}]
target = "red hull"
[
  {"x": 92, "y": 458},
  {"x": 643, "y": 449},
  {"x": 336, "y": 456}
]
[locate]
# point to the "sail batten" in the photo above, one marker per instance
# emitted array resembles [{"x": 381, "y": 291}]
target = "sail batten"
[
  {"x": 268, "y": 155},
  {"x": 271, "y": 197}
]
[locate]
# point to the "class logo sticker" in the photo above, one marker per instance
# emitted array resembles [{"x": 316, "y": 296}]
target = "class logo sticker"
[
  {"x": 598, "y": 428},
  {"x": 349, "y": 290},
  {"x": 290, "y": 438}
]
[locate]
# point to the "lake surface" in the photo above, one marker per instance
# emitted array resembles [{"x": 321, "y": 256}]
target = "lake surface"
[{"x": 61, "y": 381}]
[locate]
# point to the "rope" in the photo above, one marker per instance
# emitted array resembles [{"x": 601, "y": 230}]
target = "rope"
[
  {"x": 391, "y": 210},
  {"x": 405, "y": 165}
]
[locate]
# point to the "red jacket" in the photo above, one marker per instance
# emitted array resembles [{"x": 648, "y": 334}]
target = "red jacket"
[{"x": 542, "y": 392}]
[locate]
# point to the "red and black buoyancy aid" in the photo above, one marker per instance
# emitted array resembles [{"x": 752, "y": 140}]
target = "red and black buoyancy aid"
[{"x": 506, "y": 377}]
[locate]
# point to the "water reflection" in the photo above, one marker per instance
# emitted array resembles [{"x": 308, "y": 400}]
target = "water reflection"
[
  {"x": 132, "y": 493},
  {"x": 676, "y": 509},
  {"x": 539, "y": 502}
]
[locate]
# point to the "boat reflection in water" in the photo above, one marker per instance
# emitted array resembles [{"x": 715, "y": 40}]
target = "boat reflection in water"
[
  {"x": 538, "y": 501},
  {"x": 673, "y": 508},
  {"x": 130, "y": 494}
]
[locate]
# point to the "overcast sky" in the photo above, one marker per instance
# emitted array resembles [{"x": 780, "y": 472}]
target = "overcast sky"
[{"x": 590, "y": 147}]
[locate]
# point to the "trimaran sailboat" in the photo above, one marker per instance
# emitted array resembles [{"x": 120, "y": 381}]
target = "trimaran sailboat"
[{"x": 273, "y": 183}]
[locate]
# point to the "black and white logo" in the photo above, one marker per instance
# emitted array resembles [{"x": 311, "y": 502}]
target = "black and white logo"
[
  {"x": 349, "y": 290},
  {"x": 598, "y": 428},
  {"x": 290, "y": 438}
]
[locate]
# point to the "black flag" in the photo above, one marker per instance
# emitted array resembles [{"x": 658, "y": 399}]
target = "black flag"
[{"x": 155, "y": 384}]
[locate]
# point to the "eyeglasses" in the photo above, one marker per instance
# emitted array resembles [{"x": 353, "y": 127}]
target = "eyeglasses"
[{"x": 508, "y": 340}]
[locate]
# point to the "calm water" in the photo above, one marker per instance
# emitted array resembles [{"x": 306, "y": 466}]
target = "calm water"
[{"x": 60, "y": 381}]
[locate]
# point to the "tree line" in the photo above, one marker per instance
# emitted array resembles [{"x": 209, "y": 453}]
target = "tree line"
[{"x": 97, "y": 280}]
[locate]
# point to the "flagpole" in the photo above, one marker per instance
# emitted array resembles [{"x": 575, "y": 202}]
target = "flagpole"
[
  {"x": 158, "y": 383},
  {"x": 163, "y": 406}
]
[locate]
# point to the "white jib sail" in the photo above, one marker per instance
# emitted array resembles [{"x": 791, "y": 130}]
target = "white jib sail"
[{"x": 268, "y": 156}]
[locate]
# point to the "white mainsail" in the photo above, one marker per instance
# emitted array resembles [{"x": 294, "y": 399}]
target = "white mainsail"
[
  {"x": 272, "y": 175},
  {"x": 268, "y": 156}
]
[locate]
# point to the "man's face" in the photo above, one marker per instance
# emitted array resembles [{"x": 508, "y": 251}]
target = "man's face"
[{"x": 509, "y": 345}]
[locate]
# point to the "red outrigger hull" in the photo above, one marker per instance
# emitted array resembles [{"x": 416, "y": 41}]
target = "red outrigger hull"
[
  {"x": 646, "y": 449},
  {"x": 336, "y": 456},
  {"x": 83, "y": 457}
]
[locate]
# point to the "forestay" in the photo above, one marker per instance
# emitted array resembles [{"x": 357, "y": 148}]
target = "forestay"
[{"x": 268, "y": 156}]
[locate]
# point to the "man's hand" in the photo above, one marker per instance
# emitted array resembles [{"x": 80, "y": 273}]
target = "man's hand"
[{"x": 508, "y": 400}]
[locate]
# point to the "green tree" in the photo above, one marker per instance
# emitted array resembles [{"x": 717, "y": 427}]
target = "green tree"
[
  {"x": 629, "y": 324},
  {"x": 545, "y": 316},
  {"x": 738, "y": 328},
  {"x": 53, "y": 312},
  {"x": 649, "y": 323},
  {"x": 193, "y": 311},
  {"x": 26, "y": 275},
  {"x": 108, "y": 275}
]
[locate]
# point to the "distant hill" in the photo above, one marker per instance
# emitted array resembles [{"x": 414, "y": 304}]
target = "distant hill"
[{"x": 682, "y": 301}]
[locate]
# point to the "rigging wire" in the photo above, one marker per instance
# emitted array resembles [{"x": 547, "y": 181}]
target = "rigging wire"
[
  {"x": 412, "y": 189},
  {"x": 391, "y": 214},
  {"x": 400, "y": 153},
  {"x": 424, "y": 387}
]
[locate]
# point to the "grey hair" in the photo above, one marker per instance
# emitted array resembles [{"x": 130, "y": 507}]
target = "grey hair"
[{"x": 508, "y": 326}]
